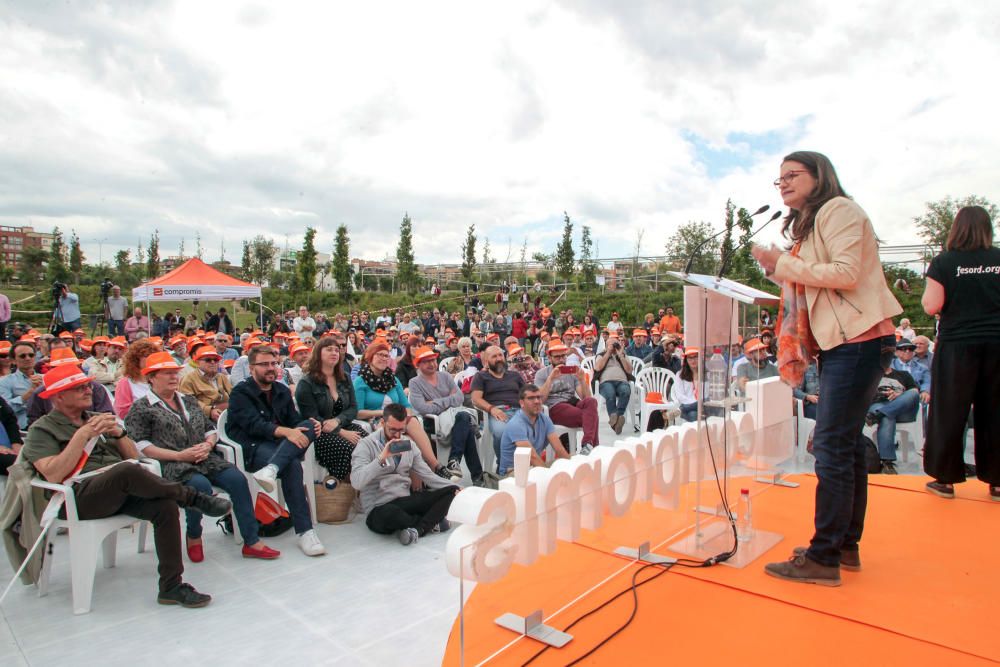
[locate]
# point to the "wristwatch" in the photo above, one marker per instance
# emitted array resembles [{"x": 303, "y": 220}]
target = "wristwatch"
[{"x": 124, "y": 431}]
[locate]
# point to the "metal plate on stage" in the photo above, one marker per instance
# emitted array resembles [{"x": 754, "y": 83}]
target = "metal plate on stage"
[{"x": 717, "y": 538}]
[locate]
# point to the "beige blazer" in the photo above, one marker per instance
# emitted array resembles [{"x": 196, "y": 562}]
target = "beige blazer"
[{"x": 839, "y": 266}]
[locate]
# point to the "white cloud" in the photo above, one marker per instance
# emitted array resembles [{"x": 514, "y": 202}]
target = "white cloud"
[{"x": 244, "y": 118}]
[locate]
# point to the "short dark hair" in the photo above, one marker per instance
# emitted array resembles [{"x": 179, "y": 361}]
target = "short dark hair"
[
  {"x": 13, "y": 350},
  {"x": 525, "y": 390},
  {"x": 258, "y": 350},
  {"x": 395, "y": 410},
  {"x": 972, "y": 230}
]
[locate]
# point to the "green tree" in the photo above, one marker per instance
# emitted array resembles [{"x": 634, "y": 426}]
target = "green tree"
[
  {"x": 153, "y": 256},
  {"x": 934, "y": 224},
  {"x": 406, "y": 269},
  {"x": 342, "y": 269},
  {"x": 743, "y": 266},
  {"x": 726, "y": 249},
  {"x": 123, "y": 269},
  {"x": 246, "y": 261},
  {"x": 469, "y": 255},
  {"x": 262, "y": 253},
  {"x": 306, "y": 261},
  {"x": 588, "y": 268},
  {"x": 684, "y": 243},
  {"x": 31, "y": 269},
  {"x": 565, "y": 256},
  {"x": 75, "y": 257},
  {"x": 56, "y": 267}
]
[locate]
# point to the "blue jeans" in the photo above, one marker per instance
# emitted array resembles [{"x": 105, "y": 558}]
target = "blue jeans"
[
  {"x": 463, "y": 443},
  {"x": 287, "y": 458},
  {"x": 232, "y": 481},
  {"x": 116, "y": 328},
  {"x": 497, "y": 428},
  {"x": 616, "y": 395},
  {"x": 848, "y": 377},
  {"x": 904, "y": 409}
]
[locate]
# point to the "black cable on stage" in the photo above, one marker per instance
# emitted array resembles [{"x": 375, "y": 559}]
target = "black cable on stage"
[{"x": 635, "y": 608}]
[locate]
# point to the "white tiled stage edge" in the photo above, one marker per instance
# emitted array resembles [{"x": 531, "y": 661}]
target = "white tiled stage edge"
[{"x": 370, "y": 601}]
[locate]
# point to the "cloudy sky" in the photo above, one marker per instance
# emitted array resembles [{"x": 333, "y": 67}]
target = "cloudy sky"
[{"x": 231, "y": 119}]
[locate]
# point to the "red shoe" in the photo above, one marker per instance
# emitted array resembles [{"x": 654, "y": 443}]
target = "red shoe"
[
  {"x": 261, "y": 551},
  {"x": 195, "y": 552}
]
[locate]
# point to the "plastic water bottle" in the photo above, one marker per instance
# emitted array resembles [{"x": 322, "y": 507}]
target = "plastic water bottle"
[
  {"x": 716, "y": 368},
  {"x": 744, "y": 517}
]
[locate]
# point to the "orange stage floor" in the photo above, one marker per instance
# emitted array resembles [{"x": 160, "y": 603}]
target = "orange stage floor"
[{"x": 930, "y": 578}]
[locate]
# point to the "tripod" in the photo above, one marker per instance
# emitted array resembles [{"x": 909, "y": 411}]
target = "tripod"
[{"x": 102, "y": 318}]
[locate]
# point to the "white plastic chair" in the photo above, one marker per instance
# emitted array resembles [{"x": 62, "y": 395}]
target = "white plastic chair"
[
  {"x": 572, "y": 434},
  {"x": 444, "y": 363},
  {"x": 909, "y": 435},
  {"x": 654, "y": 379},
  {"x": 84, "y": 537}
]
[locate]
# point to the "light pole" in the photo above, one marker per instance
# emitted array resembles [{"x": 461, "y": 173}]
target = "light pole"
[{"x": 100, "y": 250}]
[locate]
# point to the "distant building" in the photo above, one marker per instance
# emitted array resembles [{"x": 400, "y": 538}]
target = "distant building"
[{"x": 13, "y": 241}]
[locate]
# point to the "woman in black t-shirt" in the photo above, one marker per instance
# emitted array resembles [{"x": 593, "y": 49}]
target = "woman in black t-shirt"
[{"x": 963, "y": 286}]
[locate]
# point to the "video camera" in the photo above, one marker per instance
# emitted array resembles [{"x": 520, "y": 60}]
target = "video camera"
[
  {"x": 57, "y": 290},
  {"x": 106, "y": 286}
]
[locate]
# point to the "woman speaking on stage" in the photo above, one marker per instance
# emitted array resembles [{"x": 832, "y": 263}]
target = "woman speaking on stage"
[{"x": 835, "y": 301}]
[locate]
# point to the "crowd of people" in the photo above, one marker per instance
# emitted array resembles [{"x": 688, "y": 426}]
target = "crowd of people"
[{"x": 377, "y": 397}]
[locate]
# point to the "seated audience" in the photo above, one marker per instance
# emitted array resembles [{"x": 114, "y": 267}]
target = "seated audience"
[
  {"x": 495, "y": 392},
  {"x": 209, "y": 386},
  {"x": 808, "y": 392},
  {"x": 757, "y": 366},
  {"x": 435, "y": 393},
  {"x": 376, "y": 386},
  {"x": 566, "y": 391},
  {"x": 897, "y": 399},
  {"x": 529, "y": 427},
  {"x": 906, "y": 361},
  {"x": 170, "y": 427},
  {"x": 325, "y": 393},
  {"x": 613, "y": 370},
  {"x": 38, "y": 406},
  {"x": 17, "y": 388},
  {"x": 383, "y": 474},
  {"x": 132, "y": 385},
  {"x": 262, "y": 418},
  {"x": 108, "y": 369},
  {"x": 639, "y": 347},
  {"x": 54, "y": 446}
]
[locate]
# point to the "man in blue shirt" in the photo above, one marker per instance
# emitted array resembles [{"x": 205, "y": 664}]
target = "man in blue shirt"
[
  {"x": 923, "y": 356},
  {"x": 529, "y": 427},
  {"x": 69, "y": 306},
  {"x": 18, "y": 387},
  {"x": 904, "y": 361}
]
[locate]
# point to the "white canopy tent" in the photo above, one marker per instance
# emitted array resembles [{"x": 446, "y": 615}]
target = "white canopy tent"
[{"x": 195, "y": 281}]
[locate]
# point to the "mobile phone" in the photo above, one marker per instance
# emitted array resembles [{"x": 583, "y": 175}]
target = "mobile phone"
[
  {"x": 568, "y": 370},
  {"x": 400, "y": 446}
]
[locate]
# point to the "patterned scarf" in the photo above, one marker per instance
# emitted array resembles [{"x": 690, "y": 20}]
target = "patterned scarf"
[
  {"x": 796, "y": 344},
  {"x": 381, "y": 384}
]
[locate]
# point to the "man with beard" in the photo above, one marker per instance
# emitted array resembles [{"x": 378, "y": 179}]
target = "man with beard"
[
  {"x": 263, "y": 419},
  {"x": 495, "y": 391},
  {"x": 757, "y": 366}
]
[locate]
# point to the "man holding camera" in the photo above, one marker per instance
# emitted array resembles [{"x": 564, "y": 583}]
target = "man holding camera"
[
  {"x": 897, "y": 399},
  {"x": 381, "y": 468},
  {"x": 68, "y": 306},
  {"x": 566, "y": 391},
  {"x": 117, "y": 312}
]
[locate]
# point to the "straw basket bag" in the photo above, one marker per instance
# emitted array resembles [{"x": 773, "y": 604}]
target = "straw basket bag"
[{"x": 335, "y": 505}]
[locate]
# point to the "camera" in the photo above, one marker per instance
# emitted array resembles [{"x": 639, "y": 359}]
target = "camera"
[
  {"x": 106, "y": 286},
  {"x": 57, "y": 290}
]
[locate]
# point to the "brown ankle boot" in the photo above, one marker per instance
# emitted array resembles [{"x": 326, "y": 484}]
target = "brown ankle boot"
[
  {"x": 801, "y": 569},
  {"x": 849, "y": 559}
]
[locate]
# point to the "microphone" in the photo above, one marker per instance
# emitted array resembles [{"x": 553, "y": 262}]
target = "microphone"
[
  {"x": 729, "y": 257},
  {"x": 687, "y": 267}
]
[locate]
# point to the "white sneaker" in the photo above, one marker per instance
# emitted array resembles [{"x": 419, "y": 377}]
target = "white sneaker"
[
  {"x": 267, "y": 477},
  {"x": 310, "y": 544},
  {"x": 586, "y": 449}
]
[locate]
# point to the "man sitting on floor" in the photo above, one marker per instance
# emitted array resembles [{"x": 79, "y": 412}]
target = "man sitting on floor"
[
  {"x": 55, "y": 446},
  {"x": 529, "y": 427},
  {"x": 381, "y": 468},
  {"x": 568, "y": 396}
]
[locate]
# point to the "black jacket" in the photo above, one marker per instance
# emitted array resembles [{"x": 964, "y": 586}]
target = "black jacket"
[
  {"x": 315, "y": 402},
  {"x": 213, "y": 324},
  {"x": 253, "y": 419}
]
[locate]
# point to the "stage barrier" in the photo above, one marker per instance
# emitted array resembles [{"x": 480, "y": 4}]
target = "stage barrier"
[{"x": 590, "y": 521}]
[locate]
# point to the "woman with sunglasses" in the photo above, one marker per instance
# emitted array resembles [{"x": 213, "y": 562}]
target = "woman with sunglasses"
[{"x": 835, "y": 302}]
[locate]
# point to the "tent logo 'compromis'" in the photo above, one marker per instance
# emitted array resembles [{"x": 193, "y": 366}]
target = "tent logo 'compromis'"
[{"x": 166, "y": 291}]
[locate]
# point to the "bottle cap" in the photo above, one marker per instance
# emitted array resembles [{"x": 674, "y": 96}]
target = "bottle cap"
[{"x": 745, "y": 492}]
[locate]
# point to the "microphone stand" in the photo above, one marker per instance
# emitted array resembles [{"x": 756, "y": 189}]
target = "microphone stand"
[
  {"x": 687, "y": 267},
  {"x": 728, "y": 258}
]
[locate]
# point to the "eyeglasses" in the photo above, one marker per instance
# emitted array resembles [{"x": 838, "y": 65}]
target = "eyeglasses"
[
  {"x": 28, "y": 355},
  {"x": 268, "y": 364},
  {"x": 788, "y": 177},
  {"x": 382, "y": 354},
  {"x": 536, "y": 397}
]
